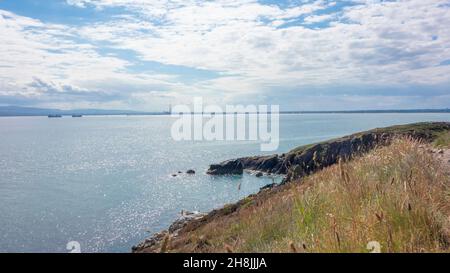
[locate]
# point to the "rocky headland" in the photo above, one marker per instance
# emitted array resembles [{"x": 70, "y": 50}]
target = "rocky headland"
[
  {"x": 300, "y": 162},
  {"x": 310, "y": 158}
]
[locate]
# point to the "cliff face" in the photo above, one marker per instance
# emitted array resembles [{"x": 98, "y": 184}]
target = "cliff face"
[
  {"x": 383, "y": 196},
  {"x": 295, "y": 164},
  {"x": 308, "y": 159}
]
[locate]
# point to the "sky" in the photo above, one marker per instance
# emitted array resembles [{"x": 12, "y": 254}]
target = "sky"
[{"x": 300, "y": 54}]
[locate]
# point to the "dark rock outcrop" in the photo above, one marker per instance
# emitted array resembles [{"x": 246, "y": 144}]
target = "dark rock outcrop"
[
  {"x": 268, "y": 187},
  {"x": 190, "y": 172},
  {"x": 150, "y": 242},
  {"x": 228, "y": 167},
  {"x": 310, "y": 158},
  {"x": 267, "y": 164}
]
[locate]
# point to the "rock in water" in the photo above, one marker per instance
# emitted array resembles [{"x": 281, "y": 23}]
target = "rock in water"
[
  {"x": 260, "y": 174},
  {"x": 227, "y": 167},
  {"x": 190, "y": 172}
]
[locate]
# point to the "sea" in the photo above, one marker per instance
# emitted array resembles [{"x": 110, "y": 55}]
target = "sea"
[{"x": 107, "y": 182}]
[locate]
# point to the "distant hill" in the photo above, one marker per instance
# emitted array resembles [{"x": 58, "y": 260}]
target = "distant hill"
[
  {"x": 371, "y": 111},
  {"x": 11, "y": 111},
  {"x": 30, "y": 111}
]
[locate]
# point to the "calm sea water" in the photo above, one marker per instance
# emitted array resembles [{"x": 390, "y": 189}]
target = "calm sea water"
[{"x": 106, "y": 181}]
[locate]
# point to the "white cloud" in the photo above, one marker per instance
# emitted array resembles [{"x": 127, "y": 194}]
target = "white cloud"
[
  {"x": 256, "y": 47},
  {"x": 382, "y": 39},
  {"x": 45, "y": 62}
]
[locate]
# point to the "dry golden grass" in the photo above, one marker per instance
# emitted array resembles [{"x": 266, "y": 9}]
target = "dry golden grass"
[{"x": 396, "y": 195}]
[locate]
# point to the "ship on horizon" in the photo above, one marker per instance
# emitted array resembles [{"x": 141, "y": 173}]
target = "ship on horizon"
[{"x": 54, "y": 116}]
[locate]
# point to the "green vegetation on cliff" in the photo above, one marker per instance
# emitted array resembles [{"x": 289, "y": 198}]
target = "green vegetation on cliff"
[
  {"x": 442, "y": 140},
  {"x": 396, "y": 195},
  {"x": 309, "y": 159},
  {"x": 427, "y": 131}
]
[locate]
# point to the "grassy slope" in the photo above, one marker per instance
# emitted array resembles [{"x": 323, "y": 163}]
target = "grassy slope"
[
  {"x": 442, "y": 140},
  {"x": 396, "y": 195},
  {"x": 422, "y": 130}
]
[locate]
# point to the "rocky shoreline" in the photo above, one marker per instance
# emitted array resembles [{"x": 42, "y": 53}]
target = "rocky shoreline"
[
  {"x": 185, "y": 218},
  {"x": 293, "y": 165},
  {"x": 311, "y": 158}
]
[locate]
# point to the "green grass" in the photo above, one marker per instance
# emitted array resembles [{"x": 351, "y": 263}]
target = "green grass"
[
  {"x": 425, "y": 130},
  {"x": 443, "y": 140},
  {"x": 396, "y": 195}
]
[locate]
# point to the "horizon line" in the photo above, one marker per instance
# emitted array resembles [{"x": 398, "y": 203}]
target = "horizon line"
[{"x": 111, "y": 112}]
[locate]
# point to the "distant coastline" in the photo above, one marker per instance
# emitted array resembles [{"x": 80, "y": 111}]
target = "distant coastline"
[{"x": 17, "y": 111}]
